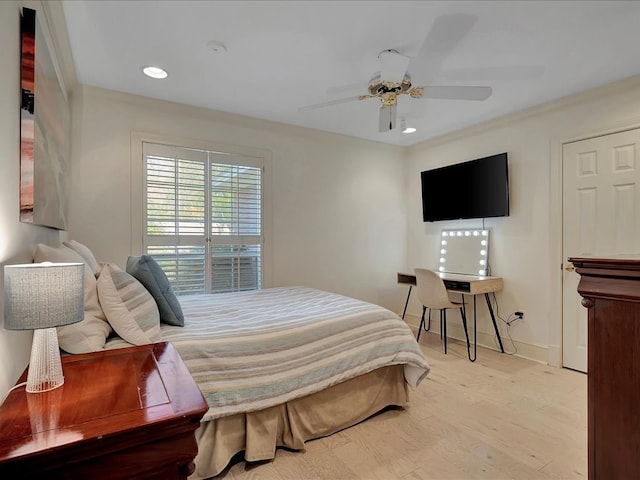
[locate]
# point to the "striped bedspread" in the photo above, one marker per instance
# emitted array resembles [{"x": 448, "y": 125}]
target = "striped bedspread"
[{"x": 252, "y": 350}]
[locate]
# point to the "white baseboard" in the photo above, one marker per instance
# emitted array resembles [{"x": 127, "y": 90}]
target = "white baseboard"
[
  {"x": 555, "y": 356},
  {"x": 537, "y": 353}
]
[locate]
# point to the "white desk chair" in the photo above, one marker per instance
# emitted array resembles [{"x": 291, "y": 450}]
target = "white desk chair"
[{"x": 433, "y": 295}]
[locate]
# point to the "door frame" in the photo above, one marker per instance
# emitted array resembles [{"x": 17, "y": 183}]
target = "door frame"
[{"x": 554, "y": 351}]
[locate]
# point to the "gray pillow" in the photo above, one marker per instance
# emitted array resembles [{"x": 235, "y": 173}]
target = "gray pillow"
[{"x": 147, "y": 271}]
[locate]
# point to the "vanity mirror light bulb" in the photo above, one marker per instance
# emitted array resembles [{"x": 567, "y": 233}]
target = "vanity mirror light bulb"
[
  {"x": 441, "y": 269},
  {"x": 442, "y": 259},
  {"x": 476, "y": 233},
  {"x": 445, "y": 234},
  {"x": 484, "y": 233},
  {"x": 483, "y": 243},
  {"x": 483, "y": 262},
  {"x": 443, "y": 251},
  {"x": 483, "y": 252},
  {"x": 443, "y": 242},
  {"x": 482, "y": 272},
  {"x": 459, "y": 234}
]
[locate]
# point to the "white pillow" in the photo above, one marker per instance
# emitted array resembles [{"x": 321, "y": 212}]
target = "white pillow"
[
  {"x": 91, "y": 333},
  {"x": 128, "y": 306},
  {"x": 86, "y": 336},
  {"x": 86, "y": 253}
]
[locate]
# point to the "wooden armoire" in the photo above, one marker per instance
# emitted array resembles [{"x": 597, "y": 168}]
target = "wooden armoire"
[{"x": 610, "y": 288}]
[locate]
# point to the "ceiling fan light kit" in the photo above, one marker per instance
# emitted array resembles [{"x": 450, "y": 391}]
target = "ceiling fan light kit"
[{"x": 378, "y": 87}]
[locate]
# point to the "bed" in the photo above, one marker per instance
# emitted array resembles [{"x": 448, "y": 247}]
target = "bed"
[{"x": 277, "y": 366}]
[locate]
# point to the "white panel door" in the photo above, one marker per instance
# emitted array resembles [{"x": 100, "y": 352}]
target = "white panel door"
[{"x": 600, "y": 216}]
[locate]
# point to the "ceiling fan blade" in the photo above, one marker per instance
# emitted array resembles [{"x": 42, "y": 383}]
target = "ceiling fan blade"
[
  {"x": 349, "y": 88},
  {"x": 394, "y": 66},
  {"x": 387, "y": 120},
  {"x": 487, "y": 74},
  {"x": 443, "y": 37},
  {"x": 448, "y": 31},
  {"x": 455, "y": 92},
  {"x": 332, "y": 102}
]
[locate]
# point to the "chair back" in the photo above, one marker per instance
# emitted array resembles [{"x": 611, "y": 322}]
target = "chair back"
[{"x": 431, "y": 290}]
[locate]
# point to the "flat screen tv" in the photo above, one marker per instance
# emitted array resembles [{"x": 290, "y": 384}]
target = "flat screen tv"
[{"x": 474, "y": 189}]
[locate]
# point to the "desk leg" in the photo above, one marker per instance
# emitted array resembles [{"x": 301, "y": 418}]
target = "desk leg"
[
  {"x": 464, "y": 320},
  {"x": 493, "y": 319},
  {"x": 475, "y": 341},
  {"x": 407, "y": 302}
]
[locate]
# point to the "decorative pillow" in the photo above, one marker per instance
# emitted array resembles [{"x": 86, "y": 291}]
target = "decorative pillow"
[
  {"x": 90, "y": 334},
  {"x": 129, "y": 307},
  {"x": 151, "y": 275},
  {"x": 86, "y": 336},
  {"x": 85, "y": 253}
]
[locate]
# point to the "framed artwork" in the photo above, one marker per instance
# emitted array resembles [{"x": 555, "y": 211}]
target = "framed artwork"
[{"x": 45, "y": 121}]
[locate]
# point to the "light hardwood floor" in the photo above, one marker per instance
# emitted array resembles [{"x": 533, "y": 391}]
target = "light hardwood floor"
[{"x": 501, "y": 417}]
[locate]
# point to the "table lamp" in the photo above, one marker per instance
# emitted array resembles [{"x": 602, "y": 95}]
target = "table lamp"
[{"x": 40, "y": 297}]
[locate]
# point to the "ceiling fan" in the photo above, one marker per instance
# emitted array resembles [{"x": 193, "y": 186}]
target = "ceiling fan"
[{"x": 393, "y": 80}]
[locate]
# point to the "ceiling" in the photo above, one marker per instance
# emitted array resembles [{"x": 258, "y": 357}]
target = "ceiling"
[{"x": 281, "y": 56}]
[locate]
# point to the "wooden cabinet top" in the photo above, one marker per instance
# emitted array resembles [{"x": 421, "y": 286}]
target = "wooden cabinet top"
[
  {"x": 106, "y": 396},
  {"x": 614, "y": 278},
  {"x": 620, "y": 263}
]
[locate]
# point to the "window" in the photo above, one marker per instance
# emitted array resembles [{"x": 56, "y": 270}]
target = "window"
[{"x": 203, "y": 217}]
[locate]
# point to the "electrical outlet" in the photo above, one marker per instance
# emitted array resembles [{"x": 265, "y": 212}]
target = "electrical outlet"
[{"x": 515, "y": 317}]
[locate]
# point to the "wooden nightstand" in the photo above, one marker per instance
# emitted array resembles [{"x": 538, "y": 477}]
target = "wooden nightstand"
[{"x": 121, "y": 414}]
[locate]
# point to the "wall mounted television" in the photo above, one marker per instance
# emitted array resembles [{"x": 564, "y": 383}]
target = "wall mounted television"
[{"x": 474, "y": 189}]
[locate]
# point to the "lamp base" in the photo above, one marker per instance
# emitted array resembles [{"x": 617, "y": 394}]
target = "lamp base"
[{"x": 45, "y": 366}]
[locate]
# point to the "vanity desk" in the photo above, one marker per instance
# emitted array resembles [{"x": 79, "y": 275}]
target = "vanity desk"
[
  {"x": 463, "y": 265},
  {"x": 464, "y": 285}
]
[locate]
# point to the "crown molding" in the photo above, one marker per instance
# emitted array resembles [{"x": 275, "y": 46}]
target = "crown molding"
[
  {"x": 232, "y": 118},
  {"x": 609, "y": 89}
]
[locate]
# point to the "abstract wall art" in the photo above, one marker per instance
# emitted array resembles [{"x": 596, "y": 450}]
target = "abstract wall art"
[{"x": 45, "y": 121}]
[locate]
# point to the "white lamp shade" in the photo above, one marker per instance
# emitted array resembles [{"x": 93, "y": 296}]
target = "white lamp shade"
[{"x": 43, "y": 295}]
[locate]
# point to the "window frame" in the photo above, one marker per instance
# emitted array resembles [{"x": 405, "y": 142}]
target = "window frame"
[{"x": 138, "y": 190}]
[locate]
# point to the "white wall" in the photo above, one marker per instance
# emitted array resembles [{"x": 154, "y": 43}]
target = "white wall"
[
  {"x": 525, "y": 247},
  {"x": 346, "y": 213},
  {"x": 338, "y": 204},
  {"x": 17, "y": 240}
]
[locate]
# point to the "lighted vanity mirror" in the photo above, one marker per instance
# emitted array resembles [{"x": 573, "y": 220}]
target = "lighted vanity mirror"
[{"x": 464, "y": 251}]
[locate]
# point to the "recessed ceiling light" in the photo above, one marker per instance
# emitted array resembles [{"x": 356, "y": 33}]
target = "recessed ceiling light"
[{"x": 155, "y": 72}]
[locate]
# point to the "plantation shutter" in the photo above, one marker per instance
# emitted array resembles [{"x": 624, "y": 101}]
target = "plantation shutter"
[
  {"x": 236, "y": 225},
  {"x": 203, "y": 215}
]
